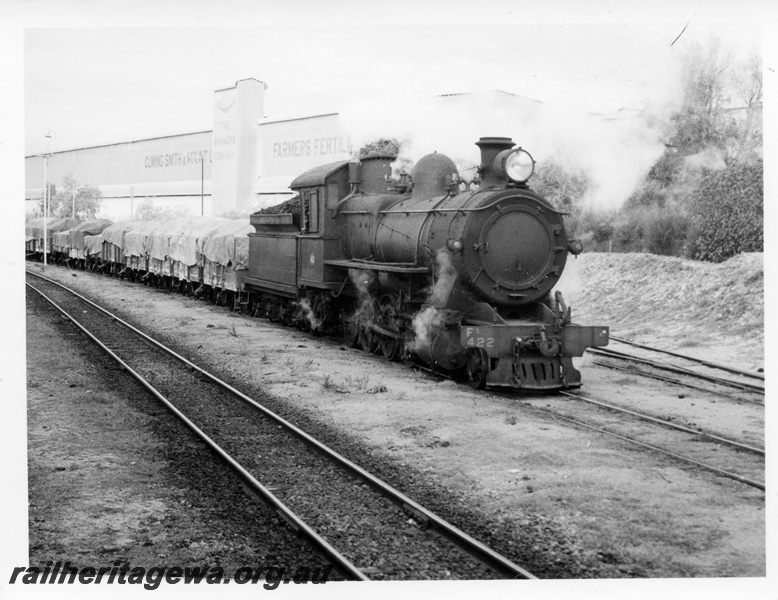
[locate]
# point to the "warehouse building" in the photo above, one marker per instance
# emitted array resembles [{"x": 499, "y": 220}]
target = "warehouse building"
[{"x": 247, "y": 161}]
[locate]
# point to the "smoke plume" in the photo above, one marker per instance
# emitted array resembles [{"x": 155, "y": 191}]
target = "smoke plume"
[{"x": 615, "y": 151}]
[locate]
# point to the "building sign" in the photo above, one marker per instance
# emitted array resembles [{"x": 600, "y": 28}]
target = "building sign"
[
  {"x": 319, "y": 146},
  {"x": 176, "y": 159},
  {"x": 293, "y": 146}
]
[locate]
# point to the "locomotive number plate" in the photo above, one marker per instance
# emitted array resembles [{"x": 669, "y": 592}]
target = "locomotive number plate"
[{"x": 475, "y": 338}]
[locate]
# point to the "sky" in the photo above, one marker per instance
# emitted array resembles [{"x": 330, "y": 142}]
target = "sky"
[
  {"x": 94, "y": 84},
  {"x": 103, "y": 81}
]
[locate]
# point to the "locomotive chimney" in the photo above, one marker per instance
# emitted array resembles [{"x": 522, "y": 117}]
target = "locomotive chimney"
[{"x": 490, "y": 148}]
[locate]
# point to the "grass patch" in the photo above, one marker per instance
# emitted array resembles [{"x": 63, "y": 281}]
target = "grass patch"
[
  {"x": 687, "y": 343},
  {"x": 630, "y": 333},
  {"x": 330, "y": 385}
]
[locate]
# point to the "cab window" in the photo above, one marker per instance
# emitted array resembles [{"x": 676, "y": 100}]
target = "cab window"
[{"x": 311, "y": 211}]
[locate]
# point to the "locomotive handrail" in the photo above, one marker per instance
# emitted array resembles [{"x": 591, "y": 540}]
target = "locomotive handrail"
[
  {"x": 454, "y": 210},
  {"x": 377, "y": 266}
]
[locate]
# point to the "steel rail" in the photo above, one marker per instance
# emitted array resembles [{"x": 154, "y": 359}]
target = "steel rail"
[
  {"x": 651, "y": 375},
  {"x": 288, "y": 515},
  {"x": 666, "y": 423},
  {"x": 453, "y": 533},
  {"x": 681, "y": 457},
  {"x": 701, "y": 361},
  {"x": 298, "y": 524},
  {"x": 674, "y": 381},
  {"x": 680, "y": 370}
]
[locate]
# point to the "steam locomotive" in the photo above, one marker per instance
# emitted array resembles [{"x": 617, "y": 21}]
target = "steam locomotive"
[
  {"x": 427, "y": 268},
  {"x": 424, "y": 268}
]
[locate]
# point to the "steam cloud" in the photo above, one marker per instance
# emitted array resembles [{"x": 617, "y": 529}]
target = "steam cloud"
[
  {"x": 425, "y": 324},
  {"x": 430, "y": 318},
  {"x": 447, "y": 276},
  {"x": 614, "y": 151},
  {"x": 312, "y": 319},
  {"x": 363, "y": 280}
]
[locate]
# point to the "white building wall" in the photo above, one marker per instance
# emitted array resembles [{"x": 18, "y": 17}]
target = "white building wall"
[
  {"x": 246, "y": 162},
  {"x": 164, "y": 170},
  {"x": 289, "y": 147},
  {"x": 236, "y": 115}
]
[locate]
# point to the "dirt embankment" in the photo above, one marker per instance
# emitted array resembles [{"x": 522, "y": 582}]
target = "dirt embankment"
[{"x": 706, "y": 308}]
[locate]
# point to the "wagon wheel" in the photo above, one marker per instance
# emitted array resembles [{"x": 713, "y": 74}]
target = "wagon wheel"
[
  {"x": 229, "y": 299},
  {"x": 390, "y": 346},
  {"x": 406, "y": 353},
  {"x": 350, "y": 331},
  {"x": 368, "y": 339},
  {"x": 300, "y": 317},
  {"x": 477, "y": 367},
  {"x": 274, "y": 311},
  {"x": 320, "y": 315},
  {"x": 287, "y": 312},
  {"x": 260, "y": 308}
]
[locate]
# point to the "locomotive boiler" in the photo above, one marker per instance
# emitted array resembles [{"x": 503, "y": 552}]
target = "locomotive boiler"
[{"x": 427, "y": 269}]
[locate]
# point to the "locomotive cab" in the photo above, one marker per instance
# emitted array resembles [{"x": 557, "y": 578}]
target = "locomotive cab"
[{"x": 301, "y": 243}]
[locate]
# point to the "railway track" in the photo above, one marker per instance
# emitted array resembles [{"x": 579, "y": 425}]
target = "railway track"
[
  {"x": 368, "y": 529},
  {"x": 686, "y": 371},
  {"x": 690, "y": 445},
  {"x": 645, "y": 421}
]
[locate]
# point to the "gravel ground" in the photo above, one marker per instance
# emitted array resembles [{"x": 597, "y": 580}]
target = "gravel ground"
[
  {"x": 113, "y": 476},
  {"x": 562, "y": 502},
  {"x": 368, "y": 529}
]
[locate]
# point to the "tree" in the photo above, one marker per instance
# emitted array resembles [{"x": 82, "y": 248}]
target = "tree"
[
  {"x": 702, "y": 120},
  {"x": 705, "y": 189},
  {"x": 80, "y": 202},
  {"x": 748, "y": 83},
  {"x": 148, "y": 211},
  {"x": 563, "y": 188}
]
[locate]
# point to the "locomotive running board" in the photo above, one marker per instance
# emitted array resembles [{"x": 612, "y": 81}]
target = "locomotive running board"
[{"x": 377, "y": 266}]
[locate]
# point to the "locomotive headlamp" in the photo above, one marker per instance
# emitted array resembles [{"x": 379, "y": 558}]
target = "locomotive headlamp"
[
  {"x": 516, "y": 164},
  {"x": 454, "y": 245},
  {"x": 574, "y": 247}
]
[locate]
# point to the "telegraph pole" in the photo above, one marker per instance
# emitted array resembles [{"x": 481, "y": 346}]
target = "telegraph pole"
[
  {"x": 45, "y": 205},
  {"x": 50, "y": 135}
]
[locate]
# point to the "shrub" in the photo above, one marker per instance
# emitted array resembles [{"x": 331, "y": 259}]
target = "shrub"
[
  {"x": 664, "y": 231},
  {"x": 594, "y": 229},
  {"x": 563, "y": 188},
  {"x": 628, "y": 231},
  {"x": 727, "y": 210}
]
